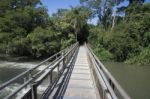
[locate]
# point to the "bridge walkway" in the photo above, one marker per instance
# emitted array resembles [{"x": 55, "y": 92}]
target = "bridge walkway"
[{"x": 81, "y": 85}]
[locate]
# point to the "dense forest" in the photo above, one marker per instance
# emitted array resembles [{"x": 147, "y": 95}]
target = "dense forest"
[
  {"x": 26, "y": 29},
  {"x": 122, "y": 38}
]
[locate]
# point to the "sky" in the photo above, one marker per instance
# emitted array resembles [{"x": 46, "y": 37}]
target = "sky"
[{"x": 54, "y": 5}]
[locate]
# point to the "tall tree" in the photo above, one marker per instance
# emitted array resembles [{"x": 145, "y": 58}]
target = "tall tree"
[
  {"x": 78, "y": 17},
  {"x": 100, "y": 8},
  {"x": 18, "y": 18}
]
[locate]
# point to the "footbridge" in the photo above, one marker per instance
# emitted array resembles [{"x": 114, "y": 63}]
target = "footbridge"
[{"x": 73, "y": 73}]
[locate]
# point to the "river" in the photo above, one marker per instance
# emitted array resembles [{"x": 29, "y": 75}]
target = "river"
[
  {"x": 9, "y": 70},
  {"x": 134, "y": 79}
]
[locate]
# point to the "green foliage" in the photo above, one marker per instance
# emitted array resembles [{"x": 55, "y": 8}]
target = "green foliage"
[
  {"x": 119, "y": 43},
  {"x": 129, "y": 40},
  {"x": 102, "y": 9},
  {"x": 78, "y": 17},
  {"x": 103, "y": 54},
  {"x": 142, "y": 58},
  {"x": 27, "y": 30},
  {"x": 43, "y": 42},
  {"x": 96, "y": 42},
  {"x": 18, "y": 47}
]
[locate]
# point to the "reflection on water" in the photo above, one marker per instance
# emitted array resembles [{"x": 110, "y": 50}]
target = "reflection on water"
[{"x": 134, "y": 79}]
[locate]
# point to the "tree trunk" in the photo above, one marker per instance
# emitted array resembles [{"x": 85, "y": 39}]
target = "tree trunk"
[{"x": 113, "y": 23}]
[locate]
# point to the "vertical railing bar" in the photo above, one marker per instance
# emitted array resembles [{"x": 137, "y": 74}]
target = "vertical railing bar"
[
  {"x": 25, "y": 79},
  {"x": 51, "y": 77},
  {"x": 56, "y": 57},
  {"x": 58, "y": 68},
  {"x": 63, "y": 63},
  {"x": 34, "y": 91}
]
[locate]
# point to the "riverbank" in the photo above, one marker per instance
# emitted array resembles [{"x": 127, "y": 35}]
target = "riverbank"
[{"x": 5, "y": 57}]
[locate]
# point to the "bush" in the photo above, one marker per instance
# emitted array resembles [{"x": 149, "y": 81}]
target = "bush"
[
  {"x": 96, "y": 43},
  {"x": 142, "y": 58},
  {"x": 103, "y": 54},
  {"x": 43, "y": 42}
]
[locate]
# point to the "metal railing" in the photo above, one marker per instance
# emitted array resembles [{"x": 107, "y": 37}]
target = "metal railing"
[
  {"x": 33, "y": 77},
  {"x": 106, "y": 84}
]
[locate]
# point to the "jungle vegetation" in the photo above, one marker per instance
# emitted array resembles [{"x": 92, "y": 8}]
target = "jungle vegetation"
[
  {"x": 26, "y": 29},
  {"x": 123, "y": 35}
]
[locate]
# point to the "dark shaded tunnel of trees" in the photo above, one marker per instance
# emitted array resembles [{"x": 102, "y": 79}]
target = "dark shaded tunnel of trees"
[{"x": 82, "y": 37}]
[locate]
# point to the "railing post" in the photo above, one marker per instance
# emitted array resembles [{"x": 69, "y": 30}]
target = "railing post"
[
  {"x": 30, "y": 76},
  {"x": 62, "y": 54},
  {"x": 56, "y": 57},
  {"x": 51, "y": 77},
  {"x": 34, "y": 90},
  {"x": 58, "y": 68},
  {"x": 66, "y": 58},
  {"x": 111, "y": 84},
  {"x": 63, "y": 63},
  {"x": 25, "y": 79}
]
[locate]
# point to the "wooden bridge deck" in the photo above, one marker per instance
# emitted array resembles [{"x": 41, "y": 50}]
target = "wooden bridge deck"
[{"x": 81, "y": 85}]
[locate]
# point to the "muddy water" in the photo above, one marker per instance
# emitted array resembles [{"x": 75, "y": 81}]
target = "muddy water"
[{"x": 134, "y": 79}]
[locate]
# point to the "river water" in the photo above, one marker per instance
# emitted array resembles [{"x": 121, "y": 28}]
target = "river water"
[
  {"x": 9, "y": 70},
  {"x": 134, "y": 79}
]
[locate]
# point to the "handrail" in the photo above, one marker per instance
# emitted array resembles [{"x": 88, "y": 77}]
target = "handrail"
[
  {"x": 31, "y": 79},
  {"x": 28, "y": 71},
  {"x": 109, "y": 80}
]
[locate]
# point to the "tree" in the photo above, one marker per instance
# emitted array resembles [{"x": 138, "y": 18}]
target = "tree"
[
  {"x": 102, "y": 9},
  {"x": 18, "y": 18},
  {"x": 129, "y": 40},
  {"x": 43, "y": 42},
  {"x": 78, "y": 17}
]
